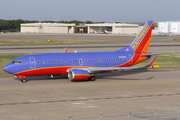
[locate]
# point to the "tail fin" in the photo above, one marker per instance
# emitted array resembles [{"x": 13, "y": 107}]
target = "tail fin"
[{"x": 141, "y": 42}]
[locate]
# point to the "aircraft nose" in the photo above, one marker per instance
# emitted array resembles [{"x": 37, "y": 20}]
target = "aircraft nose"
[{"x": 7, "y": 69}]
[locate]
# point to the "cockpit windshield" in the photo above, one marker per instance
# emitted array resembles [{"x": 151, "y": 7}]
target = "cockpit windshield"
[{"x": 17, "y": 62}]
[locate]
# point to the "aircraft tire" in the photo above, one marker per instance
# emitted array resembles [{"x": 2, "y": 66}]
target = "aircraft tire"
[
  {"x": 23, "y": 80},
  {"x": 92, "y": 78}
]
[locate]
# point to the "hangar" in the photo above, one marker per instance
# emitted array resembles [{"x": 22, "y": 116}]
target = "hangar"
[
  {"x": 113, "y": 28},
  {"x": 47, "y": 28},
  {"x": 100, "y": 28}
]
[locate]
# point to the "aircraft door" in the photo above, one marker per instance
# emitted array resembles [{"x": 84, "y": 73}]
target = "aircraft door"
[
  {"x": 80, "y": 61},
  {"x": 21, "y": 66},
  {"x": 130, "y": 59},
  {"x": 32, "y": 62}
]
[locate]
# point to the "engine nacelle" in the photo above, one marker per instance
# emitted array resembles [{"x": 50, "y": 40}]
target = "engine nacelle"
[{"x": 77, "y": 74}]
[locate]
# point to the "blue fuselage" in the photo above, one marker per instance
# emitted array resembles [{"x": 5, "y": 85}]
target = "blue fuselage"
[{"x": 48, "y": 61}]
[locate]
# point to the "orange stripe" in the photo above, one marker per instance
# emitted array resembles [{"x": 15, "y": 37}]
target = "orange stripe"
[{"x": 144, "y": 40}]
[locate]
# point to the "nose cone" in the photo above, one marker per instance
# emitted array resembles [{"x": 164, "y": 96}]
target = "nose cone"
[{"x": 7, "y": 68}]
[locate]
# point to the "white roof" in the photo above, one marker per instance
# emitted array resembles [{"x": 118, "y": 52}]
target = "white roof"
[
  {"x": 111, "y": 24},
  {"x": 51, "y": 24}
]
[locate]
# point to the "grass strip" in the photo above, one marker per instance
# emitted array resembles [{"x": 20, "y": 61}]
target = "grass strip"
[
  {"x": 170, "y": 60},
  {"x": 178, "y": 40},
  {"x": 25, "y": 43}
]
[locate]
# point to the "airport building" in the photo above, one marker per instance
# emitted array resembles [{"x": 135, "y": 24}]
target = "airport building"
[
  {"x": 113, "y": 28},
  {"x": 101, "y": 28},
  {"x": 169, "y": 27},
  {"x": 47, "y": 28}
]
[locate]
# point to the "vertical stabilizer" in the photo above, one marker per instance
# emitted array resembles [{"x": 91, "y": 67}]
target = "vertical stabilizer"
[{"x": 141, "y": 42}]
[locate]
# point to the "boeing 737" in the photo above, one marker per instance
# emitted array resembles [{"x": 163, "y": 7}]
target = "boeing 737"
[{"x": 83, "y": 65}]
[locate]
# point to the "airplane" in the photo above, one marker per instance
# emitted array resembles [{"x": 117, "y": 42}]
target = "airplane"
[{"x": 83, "y": 65}]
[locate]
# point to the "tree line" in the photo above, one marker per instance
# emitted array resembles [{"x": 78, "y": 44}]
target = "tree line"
[{"x": 14, "y": 25}]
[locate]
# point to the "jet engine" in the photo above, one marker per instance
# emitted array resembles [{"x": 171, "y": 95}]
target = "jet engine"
[{"x": 76, "y": 74}]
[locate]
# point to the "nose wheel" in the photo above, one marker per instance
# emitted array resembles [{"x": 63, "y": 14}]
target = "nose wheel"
[{"x": 23, "y": 80}]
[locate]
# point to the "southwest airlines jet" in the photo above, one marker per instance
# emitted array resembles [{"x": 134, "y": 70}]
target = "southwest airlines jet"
[{"x": 83, "y": 66}]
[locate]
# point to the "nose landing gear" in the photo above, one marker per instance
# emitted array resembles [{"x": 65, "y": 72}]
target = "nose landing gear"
[{"x": 23, "y": 80}]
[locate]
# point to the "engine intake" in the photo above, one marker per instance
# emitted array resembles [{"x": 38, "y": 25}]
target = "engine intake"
[{"x": 77, "y": 74}]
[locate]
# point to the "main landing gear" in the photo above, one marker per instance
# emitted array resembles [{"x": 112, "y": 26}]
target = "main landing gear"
[{"x": 92, "y": 78}]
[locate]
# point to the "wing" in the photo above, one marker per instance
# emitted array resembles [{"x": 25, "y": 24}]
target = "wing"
[{"x": 110, "y": 69}]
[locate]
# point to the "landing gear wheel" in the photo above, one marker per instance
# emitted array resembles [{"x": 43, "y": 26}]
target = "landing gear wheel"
[
  {"x": 92, "y": 78},
  {"x": 23, "y": 80}
]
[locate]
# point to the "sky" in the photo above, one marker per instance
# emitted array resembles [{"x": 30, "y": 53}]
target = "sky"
[{"x": 92, "y": 10}]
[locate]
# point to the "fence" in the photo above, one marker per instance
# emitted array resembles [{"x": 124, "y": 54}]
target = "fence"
[{"x": 153, "y": 115}]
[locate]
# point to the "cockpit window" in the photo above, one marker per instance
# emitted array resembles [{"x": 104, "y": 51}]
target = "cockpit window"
[{"x": 17, "y": 62}]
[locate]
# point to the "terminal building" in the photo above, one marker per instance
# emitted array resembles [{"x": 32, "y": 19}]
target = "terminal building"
[
  {"x": 169, "y": 27},
  {"x": 100, "y": 28}
]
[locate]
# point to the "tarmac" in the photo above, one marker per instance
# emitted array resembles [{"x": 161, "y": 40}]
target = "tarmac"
[{"x": 137, "y": 91}]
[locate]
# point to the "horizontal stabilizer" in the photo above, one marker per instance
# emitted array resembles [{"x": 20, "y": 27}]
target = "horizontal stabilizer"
[
  {"x": 157, "y": 53},
  {"x": 152, "y": 61}
]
